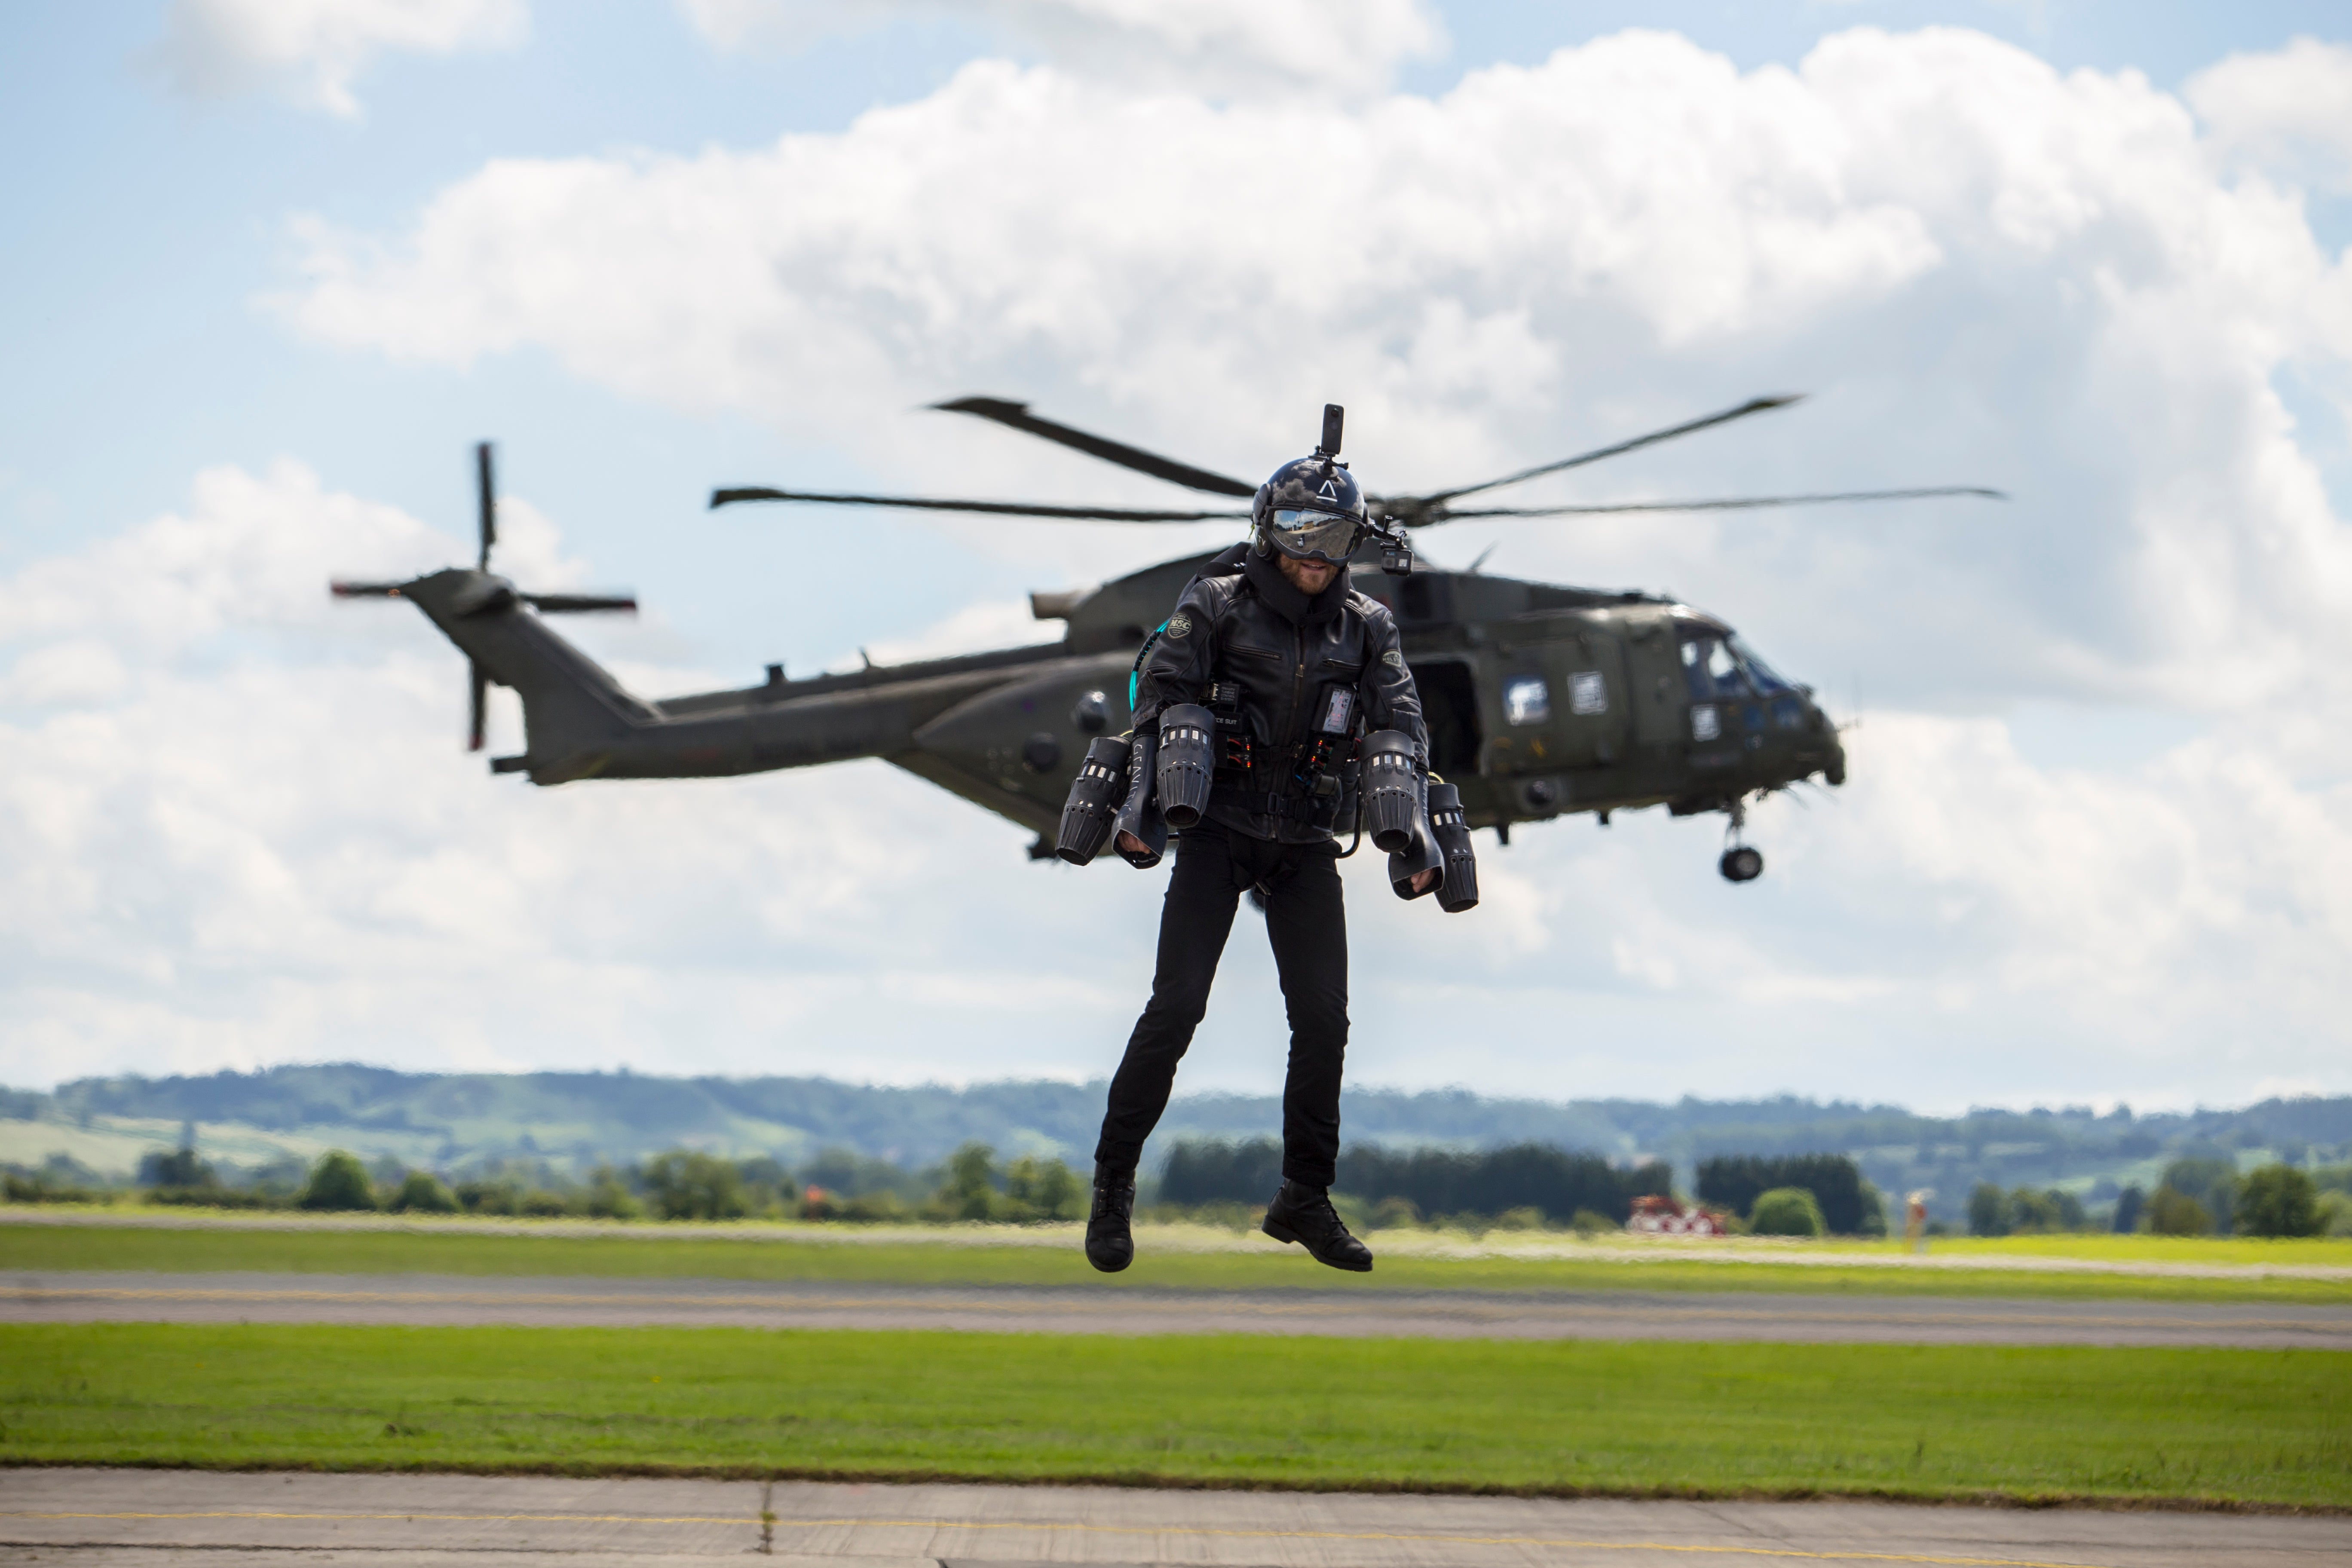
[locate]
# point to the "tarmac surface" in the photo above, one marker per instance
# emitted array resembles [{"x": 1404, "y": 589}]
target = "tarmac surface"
[
  {"x": 429, "y": 1300},
  {"x": 101, "y": 1519}
]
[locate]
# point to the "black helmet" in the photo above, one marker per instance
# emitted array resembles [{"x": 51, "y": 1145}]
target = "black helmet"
[{"x": 1312, "y": 509}]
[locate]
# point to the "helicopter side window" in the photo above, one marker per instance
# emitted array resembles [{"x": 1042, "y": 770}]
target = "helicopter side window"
[
  {"x": 1527, "y": 700},
  {"x": 1710, "y": 670}
]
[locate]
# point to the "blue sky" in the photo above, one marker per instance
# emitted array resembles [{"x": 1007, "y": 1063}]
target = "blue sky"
[{"x": 2088, "y": 849}]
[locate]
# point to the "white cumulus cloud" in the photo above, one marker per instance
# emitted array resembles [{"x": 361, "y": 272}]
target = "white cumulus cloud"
[
  {"x": 311, "y": 50},
  {"x": 2288, "y": 110}
]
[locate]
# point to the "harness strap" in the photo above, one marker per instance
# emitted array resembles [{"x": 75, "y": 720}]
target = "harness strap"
[{"x": 1266, "y": 803}]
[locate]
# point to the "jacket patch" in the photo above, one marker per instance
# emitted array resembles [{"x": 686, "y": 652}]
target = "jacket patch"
[
  {"x": 1179, "y": 625},
  {"x": 1394, "y": 659}
]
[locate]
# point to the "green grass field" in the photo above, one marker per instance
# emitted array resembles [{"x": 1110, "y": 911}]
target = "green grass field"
[
  {"x": 2266, "y": 1426},
  {"x": 2094, "y": 1247},
  {"x": 718, "y": 1253}
]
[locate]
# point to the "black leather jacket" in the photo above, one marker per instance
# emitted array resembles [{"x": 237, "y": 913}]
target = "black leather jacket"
[{"x": 1299, "y": 666}]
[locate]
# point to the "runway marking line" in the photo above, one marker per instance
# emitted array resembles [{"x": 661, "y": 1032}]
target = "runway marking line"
[
  {"x": 1096, "y": 1530},
  {"x": 32, "y": 1294}
]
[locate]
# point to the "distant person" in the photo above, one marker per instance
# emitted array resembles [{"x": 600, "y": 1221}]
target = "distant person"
[{"x": 1296, "y": 665}]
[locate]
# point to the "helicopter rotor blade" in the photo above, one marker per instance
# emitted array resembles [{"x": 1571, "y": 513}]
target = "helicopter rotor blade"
[
  {"x": 1753, "y": 405},
  {"x": 366, "y": 590},
  {"x": 486, "y": 492},
  {"x": 477, "y": 718},
  {"x": 1016, "y": 416},
  {"x": 989, "y": 508},
  {"x": 1736, "y": 503},
  {"x": 575, "y": 603}
]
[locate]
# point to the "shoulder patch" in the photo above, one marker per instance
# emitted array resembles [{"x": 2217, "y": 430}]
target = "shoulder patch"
[
  {"x": 1394, "y": 659},
  {"x": 1179, "y": 625}
]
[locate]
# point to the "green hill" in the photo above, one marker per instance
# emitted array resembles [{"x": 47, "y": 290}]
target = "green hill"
[{"x": 451, "y": 1122}]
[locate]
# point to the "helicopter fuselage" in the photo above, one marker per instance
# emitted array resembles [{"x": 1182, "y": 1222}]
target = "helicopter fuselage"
[{"x": 1542, "y": 700}]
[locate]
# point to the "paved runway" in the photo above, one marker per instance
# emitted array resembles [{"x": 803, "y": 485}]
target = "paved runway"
[
  {"x": 99, "y": 1518},
  {"x": 1616, "y": 1315}
]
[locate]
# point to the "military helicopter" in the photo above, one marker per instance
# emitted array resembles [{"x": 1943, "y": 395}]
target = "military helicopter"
[{"x": 1542, "y": 700}]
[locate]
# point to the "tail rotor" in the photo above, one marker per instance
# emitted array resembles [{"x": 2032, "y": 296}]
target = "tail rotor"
[
  {"x": 486, "y": 492},
  {"x": 484, "y": 593}
]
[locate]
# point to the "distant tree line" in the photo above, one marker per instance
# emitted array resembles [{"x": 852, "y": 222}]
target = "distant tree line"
[
  {"x": 1556, "y": 1182},
  {"x": 683, "y": 1183},
  {"x": 1793, "y": 1194},
  {"x": 1223, "y": 1181},
  {"x": 1849, "y": 1206},
  {"x": 2022, "y": 1211},
  {"x": 2196, "y": 1196}
]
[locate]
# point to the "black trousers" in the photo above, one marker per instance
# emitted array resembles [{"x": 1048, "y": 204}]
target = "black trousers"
[{"x": 1306, "y": 921}]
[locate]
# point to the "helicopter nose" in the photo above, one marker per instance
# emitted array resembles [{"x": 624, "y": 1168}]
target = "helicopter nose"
[
  {"x": 1816, "y": 745},
  {"x": 1833, "y": 763}
]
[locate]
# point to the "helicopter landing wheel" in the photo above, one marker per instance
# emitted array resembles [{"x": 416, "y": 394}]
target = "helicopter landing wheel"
[{"x": 1740, "y": 863}]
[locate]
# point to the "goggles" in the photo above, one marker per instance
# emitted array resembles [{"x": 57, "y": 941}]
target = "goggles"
[{"x": 1318, "y": 535}]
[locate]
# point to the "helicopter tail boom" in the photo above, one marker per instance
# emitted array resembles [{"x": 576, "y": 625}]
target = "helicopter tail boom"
[{"x": 580, "y": 722}]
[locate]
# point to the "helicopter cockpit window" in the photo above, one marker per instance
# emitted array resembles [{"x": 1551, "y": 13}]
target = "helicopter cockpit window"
[
  {"x": 1759, "y": 674},
  {"x": 1527, "y": 700},
  {"x": 1710, "y": 670}
]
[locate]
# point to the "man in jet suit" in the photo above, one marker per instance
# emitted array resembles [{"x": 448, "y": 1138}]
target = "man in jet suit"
[{"x": 1272, "y": 635}]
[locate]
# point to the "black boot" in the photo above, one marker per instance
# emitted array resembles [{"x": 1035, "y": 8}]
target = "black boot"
[
  {"x": 1305, "y": 1215},
  {"x": 1110, "y": 1246}
]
